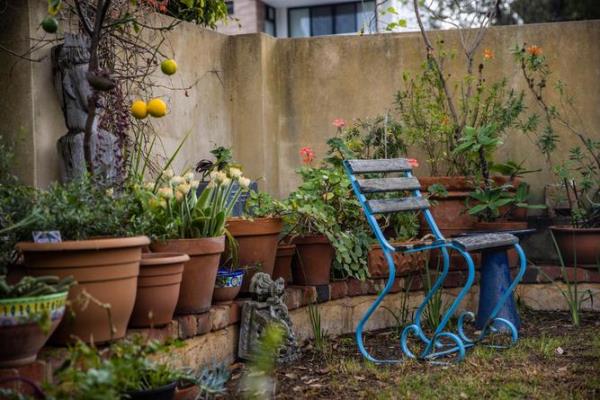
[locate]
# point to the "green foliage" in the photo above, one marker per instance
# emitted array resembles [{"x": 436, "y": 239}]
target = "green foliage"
[
  {"x": 319, "y": 334},
  {"x": 30, "y": 286},
  {"x": 511, "y": 169},
  {"x": 206, "y": 13},
  {"x": 210, "y": 381},
  {"x": 261, "y": 205},
  {"x": 580, "y": 173},
  {"x": 126, "y": 366},
  {"x": 495, "y": 202},
  {"x": 324, "y": 204}
]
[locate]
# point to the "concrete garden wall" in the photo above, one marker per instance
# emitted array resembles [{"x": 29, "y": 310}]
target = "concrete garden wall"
[{"x": 268, "y": 97}]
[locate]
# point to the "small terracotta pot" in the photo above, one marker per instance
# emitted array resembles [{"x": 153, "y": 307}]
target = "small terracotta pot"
[
  {"x": 257, "y": 240},
  {"x": 199, "y": 273},
  {"x": 158, "y": 289},
  {"x": 283, "y": 262},
  {"x": 190, "y": 392},
  {"x": 228, "y": 285},
  {"x": 107, "y": 269},
  {"x": 404, "y": 262},
  {"x": 313, "y": 262},
  {"x": 20, "y": 338},
  {"x": 578, "y": 246}
]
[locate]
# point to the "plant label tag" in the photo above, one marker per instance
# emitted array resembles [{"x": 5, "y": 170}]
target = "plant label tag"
[{"x": 46, "y": 237}]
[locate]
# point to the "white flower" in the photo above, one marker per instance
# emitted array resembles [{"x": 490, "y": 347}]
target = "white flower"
[
  {"x": 165, "y": 192},
  {"x": 195, "y": 184},
  {"x": 149, "y": 185},
  {"x": 244, "y": 182},
  {"x": 218, "y": 176},
  {"x": 184, "y": 188},
  {"x": 177, "y": 180},
  {"x": 168, "y": 173},
  {"x": 211, "y": 185},
  {"x": 226, "y": 181},
  {"x": 235, "y": 173},
  {"x": 189, "y": 176}
]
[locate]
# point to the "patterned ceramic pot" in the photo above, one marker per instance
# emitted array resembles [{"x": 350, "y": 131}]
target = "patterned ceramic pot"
[
  {"x": 227, "y": 285},
  {"x": 25, "y": 326}
]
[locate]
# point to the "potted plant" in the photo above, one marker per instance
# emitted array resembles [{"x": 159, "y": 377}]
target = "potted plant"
[
  {"x": 127, "y": 369},
  {"x": 30, "y": 311},
  {"x": 182, "y": 221},
  {"x": 158, "y": 289},
  {"x": 93, "y": 230},
  {"x": 257, "y": 233},
  {"x": 283, "y": 260},
  {"x": 230, "y": 277},
  {"x": 579, "y": 173}
]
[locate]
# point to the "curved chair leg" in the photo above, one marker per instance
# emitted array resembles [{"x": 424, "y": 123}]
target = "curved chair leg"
[
  {"x": 430, "y": 352},
  {"x": 492, "y": 320},
  {"x": 361, "y": 324}
]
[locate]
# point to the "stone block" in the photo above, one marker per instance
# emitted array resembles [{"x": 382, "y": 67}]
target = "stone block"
[
  {"x": 338, "y": 290},
  {"x": 322, "y": 292},
  {"x": 219, "y": 317},
  {"x": 188, "y": 326}
]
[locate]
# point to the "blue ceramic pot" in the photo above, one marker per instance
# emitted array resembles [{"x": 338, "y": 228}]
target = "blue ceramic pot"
[
  {"x": 227, "y": 285},
  {"x": 238, "y": 208}
]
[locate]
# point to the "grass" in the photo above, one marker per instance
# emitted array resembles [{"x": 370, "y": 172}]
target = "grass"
[{"x": 553, "y": 360}]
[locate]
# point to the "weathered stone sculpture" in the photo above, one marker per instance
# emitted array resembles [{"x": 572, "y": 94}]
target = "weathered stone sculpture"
[
  {"x": 266, "y": 307},
  {"x": 70, "y": 68}
]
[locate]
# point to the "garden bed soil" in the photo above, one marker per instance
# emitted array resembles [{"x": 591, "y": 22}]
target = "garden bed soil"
[{"x": 553, "y": 359}]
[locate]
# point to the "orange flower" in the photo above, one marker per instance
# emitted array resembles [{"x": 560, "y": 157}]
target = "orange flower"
[
  {"x": 307, "y": 155},
  {"x": 413, "y": 162},
  {"x": 534, "y": 50},
  {"x": 488, "y": 54},
  {"x": 339, "y": 123}
]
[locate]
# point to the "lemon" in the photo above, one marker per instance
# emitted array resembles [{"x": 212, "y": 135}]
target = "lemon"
[
  {"x": 139, "y": 109},
  {"x": 157, "y": 108},
  {"x": 168, "y": 67},
  {"x": 50, "y": 24}
]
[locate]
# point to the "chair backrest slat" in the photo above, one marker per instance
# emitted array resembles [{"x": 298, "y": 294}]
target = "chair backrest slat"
[
  {"x": 380, "y": 185},
  {"x": 387, "y": 206},
  {"x": 381, "y": 165}
]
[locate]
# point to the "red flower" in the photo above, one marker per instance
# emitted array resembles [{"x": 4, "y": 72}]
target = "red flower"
[
  {"x": 488, "y": 54},
  {"x": 339, "y": 123},
  {"x": 534, "y": 50},
  {"x": 413, "y": 162},
  {"x": 307, "y": 155}
]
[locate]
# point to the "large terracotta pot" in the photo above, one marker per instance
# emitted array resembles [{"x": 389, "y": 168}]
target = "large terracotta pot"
[
  {"x": 449, "y": 212},
  {"x": 405, "y": 262},
  {"x": 257, "y": 240},
  {"x": 21, "y": 335},
  {"x": 158, "y": 289},
  {"x": 199, "y": 273},
  {"x": 313, "y": 262},
  {"x": 578, "y": 246},
  {"x": 283, "y": 262},
  {"x": 106, "y": 269}
]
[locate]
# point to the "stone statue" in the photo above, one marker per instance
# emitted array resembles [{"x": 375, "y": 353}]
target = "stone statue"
[
  {"x": 266, "y": 307},
  {"x": 70, "y": 70}
]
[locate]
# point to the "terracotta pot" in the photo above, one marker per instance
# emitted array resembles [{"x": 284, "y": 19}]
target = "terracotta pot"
[
  {"x": 158, "y": 289},
  {"x": 199, "y": 273},
  {"x": 283, "y": 262},
  {"x": 257, "y": 240},
  {"x": 228, "y": 285},
  {"x": 20, "y": 338},
  {"x": 107, "y": 269},
  {"x": 578, "y": 246},
  {"x": 405, "y": 262},
  {"x": 313, "y": 262},
  {"x": 449, "y": 212},
  {"x": 187, "y": 392}
]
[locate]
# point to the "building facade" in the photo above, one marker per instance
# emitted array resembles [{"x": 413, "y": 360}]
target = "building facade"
[{"x": 305, "y": 18}]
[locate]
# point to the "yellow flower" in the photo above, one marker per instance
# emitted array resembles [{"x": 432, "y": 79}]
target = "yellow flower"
[
  {"x": 184, "y": 188},
  {"x": 163, "y": 203},
  {"x": 165, "y": 192},
  {"x": 178, "y": 195},
  {"x": 244, "y": 182},
  {"x": 189, "y": 176},
  {"x": 157, "y": 203},
  {"x": 235, "y": 173}
]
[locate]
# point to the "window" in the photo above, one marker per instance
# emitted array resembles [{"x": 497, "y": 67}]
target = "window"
[
  {"x": 229, "y": 5},
  {"x": 270, "y": 24},
  {"x": 331, "y": 19}
]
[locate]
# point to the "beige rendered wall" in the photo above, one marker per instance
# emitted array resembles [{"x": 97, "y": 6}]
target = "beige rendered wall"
[{"x": 268, "y": 97}]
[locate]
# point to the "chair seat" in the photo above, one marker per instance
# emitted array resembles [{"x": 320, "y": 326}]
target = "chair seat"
[
  {"x": 485, "y": 241},
  {"x": 421, "y": 244}
]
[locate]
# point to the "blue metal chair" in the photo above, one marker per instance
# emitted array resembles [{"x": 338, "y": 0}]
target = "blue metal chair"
[{"x": 409, "y": 199}]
